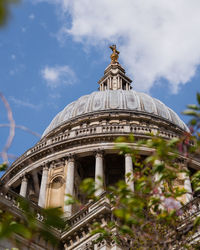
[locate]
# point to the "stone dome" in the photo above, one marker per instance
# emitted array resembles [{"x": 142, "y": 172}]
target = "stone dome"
[{"x": 128, "y": 100}]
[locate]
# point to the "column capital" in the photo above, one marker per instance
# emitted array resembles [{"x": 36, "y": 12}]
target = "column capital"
[
  {"x": 99, "y": 153},
  {"x": 71, "y": 158},
  {"x": 63, "y": 160},
  {"x": 24, "y": 176},
  {"x": 46, "y": 168},
  {"x": 46, "y": 165},
  {"x": 128, "y": 155}
]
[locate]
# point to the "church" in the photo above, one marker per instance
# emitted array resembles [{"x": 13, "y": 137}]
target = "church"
[{"x": 79, "y": 143}]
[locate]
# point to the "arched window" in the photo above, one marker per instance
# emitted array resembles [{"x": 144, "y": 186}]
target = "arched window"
[
  {"x": 56, "y": 192},
  {"x": 57, "y": 182}
]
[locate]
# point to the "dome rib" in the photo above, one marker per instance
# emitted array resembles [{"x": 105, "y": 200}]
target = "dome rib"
[{"x": 115, "y": 100}]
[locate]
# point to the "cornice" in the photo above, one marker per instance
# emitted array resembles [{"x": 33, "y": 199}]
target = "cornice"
[{"x": 104, "y": 127}]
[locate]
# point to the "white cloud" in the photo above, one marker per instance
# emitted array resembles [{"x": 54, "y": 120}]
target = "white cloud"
[
  {"x": 54, "y": 95},
  {"x": 43, "y": 25},
  {"x": 58, "y": 75},
  {"x": 17, "y": 69},
  {"x": 157, "y": 39},
  {"x": 13, "y": 56},
  {"x": 31, "y": 16},
  {"x": 23, "y": 29},
  {"x": 22, "y": 103},
  {"x": 12, "y": 72}
]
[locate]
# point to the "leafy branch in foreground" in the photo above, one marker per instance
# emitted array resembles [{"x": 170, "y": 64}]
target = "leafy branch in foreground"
[
  {"x": 193, "y": 110},
  {"x": 26, "y": 224},
  {"x": 5, "y": 10},
  {"x": 149, "y": 217}
]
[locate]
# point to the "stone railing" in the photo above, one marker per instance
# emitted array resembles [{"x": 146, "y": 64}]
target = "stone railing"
[
  {"x": 115, "y": 128},
  {"x": 12, "y": 202},
  {"x": 190, "y": 210},
  {"x": 106, "y": 129},
  {"x": 89, "y": 209},
  {"x": 187, "y": 212},
  {"x": 9, "y": 197},
  {"x": 77, "y": 217}
]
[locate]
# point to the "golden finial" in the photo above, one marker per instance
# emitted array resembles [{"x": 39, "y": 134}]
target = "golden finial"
[{"x": 114, "y": 56}]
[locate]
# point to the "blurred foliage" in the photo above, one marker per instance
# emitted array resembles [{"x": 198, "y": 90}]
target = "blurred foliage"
[
  {"x": 27, "y": 225},
  {"x": 147, "y": 214},
  {"x": 3, "y": 166},
  {"x": 194, "y": 111},
  {"x": 5, "y": 6}
]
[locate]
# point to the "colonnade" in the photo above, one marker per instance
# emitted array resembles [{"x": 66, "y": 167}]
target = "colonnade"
[
  {"x": 99, "y": 176},
  {"x": 99, "y": 180}
]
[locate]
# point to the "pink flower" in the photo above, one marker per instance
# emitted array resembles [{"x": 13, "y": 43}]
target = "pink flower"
[{"x": 171, "y": 204}]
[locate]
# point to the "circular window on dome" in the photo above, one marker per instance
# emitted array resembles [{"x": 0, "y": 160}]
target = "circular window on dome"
[{"x": 57, "y": 182}]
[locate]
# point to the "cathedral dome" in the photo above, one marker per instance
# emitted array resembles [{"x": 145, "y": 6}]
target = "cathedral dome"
[{"x": 118, "y": 100}]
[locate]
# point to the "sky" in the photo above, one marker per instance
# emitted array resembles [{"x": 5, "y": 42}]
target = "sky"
[{"x": 54, "y": 51}]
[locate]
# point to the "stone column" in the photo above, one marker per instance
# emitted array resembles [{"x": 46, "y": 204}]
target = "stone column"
[
  {"x": 23, "y": 188},
  {"x": 99, "y": 173},
  {"x": 43, "y": 187},
  {"x": 111, "y": 83},
  {"x": 69, "y": 188},
  {"x": 118, "y": 83},
  {"x": 188, "y": 187},
  {"x": 129, "y": 170}
]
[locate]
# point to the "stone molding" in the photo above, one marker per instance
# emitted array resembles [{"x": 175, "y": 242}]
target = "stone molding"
[
  {"x": 88, "y": 130},
  {"x": 99, "y": 153},
  {"x": 88, "y": 149},
  {"x": 128, "y": 122},
  {"x": 24, "y": 177},
  {"x": 71, "y": 158}
]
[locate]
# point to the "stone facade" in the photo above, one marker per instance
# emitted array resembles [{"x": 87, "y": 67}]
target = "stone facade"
[{"x": 79, "y": 143}]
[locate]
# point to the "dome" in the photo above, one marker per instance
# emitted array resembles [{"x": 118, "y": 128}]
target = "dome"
[{"x": 127, "y": 100}]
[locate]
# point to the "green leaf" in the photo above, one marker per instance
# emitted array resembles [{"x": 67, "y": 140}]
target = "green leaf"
[
  {"x": 197, "y": 221},
  {"x": 159, "y": 167},
  {"x": 3, "y": 166},
  {"x": 119, "y": 213},
  {"x": 131, "y": 138},
  {"x": 173, "y": 142},
  {"x": 193, "y": 106},
  {"x": 126, "y": 230},
  {"x": 197, "y": 189},
  {"x": 193, "y": 122},
  {"x": 190, "y": 112},
  {"x": 20, "y": 229},
  {"x": 198, "y": 98}
]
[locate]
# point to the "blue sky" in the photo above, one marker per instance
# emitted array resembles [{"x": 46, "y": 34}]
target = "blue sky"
[{"x": 53, "y": 52}]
